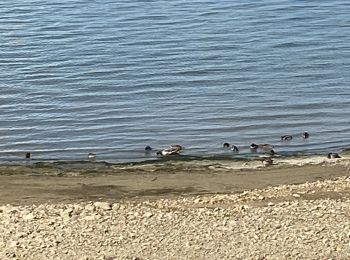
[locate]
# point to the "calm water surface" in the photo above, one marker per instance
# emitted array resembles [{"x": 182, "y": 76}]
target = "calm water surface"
[{"x": 111, "y": 77}]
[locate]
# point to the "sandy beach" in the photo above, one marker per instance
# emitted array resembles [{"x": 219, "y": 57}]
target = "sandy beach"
[{"x": 176, "y": 210}]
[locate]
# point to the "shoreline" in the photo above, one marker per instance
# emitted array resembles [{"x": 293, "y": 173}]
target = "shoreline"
[{"x": 66, "y": 182}]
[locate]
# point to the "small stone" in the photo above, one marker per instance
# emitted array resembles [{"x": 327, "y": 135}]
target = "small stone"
[
  {"x": 296, "y": 195},
  {"x": 103, "y": 205},
  {"x": 89, "y": 207},
  {"x": 14, "y": 243},
  {"x": 244, "y": 193},
  {"x": 115, "y": 206},
  {"x": 29, "y": 216},
  {"x": 66, "y": 215},
  {"x": 21, "y": 234},
  {"x": 92, "y": 217},
  {"x": 148, "y": 215},
  {"x": 244, "y": 207},
  {"x": 197, "y": 200}
]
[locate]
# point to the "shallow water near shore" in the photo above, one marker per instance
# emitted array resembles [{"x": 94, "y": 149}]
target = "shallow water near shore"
[
  {"x": 112, "y": 77},
  {"x": 167, "y": 165}
]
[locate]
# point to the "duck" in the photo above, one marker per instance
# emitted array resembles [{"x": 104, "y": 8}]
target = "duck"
[
  {"x": 226, "y": 145},
  {"x": 333, "y": 156},
  {"x": 148, "y": 148},
  {"x": 176, "y": 147},
  {"x": 167, "y": 152},
  {"x": 28, "y": 155},
  {"x": 286, "y": 137},
  {"x": 234, "y": 148},
  {"x": 254, "y": 146},
  {"x": 306, "y": 135},
  {"x": 92, "y": 156}
]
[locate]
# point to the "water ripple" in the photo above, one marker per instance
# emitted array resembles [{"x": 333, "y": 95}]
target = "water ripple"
[{"x": 112, "y": 77}]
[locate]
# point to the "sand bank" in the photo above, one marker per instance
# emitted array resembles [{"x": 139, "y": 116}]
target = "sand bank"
[{"x": 83, "y": 181}]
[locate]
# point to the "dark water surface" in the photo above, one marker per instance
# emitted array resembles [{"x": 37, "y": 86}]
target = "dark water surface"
[{"x": 111, "y": 77}]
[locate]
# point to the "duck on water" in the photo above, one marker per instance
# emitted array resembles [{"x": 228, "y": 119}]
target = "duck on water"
[
  {"x": 174, "y": 149},
  {"x": 233, "y": 147},
  {"x": 304, "y": 135},
  {"x": 333, "y": 156},
  {"x": 255, "y": 147}
]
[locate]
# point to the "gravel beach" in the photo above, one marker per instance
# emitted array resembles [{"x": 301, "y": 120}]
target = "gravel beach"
[{"x": 295, "y": 221}]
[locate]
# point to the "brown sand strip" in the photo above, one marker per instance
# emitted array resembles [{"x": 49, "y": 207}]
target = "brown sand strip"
[{"x": 140, "y": 184}]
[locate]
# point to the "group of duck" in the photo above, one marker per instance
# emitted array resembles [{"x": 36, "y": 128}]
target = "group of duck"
[
  {"x": 176, "y": 149},
  {"x": 265, "y": 147}
]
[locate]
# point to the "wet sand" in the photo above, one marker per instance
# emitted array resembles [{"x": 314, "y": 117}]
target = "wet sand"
[{"x": 76, "y": 182}]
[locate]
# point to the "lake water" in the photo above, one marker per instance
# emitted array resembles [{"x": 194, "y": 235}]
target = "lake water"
[{"x": 111, "y": 77}]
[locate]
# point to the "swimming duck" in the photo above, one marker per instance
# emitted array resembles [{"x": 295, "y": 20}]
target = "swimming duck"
[
  {"x": 173, "y": 150},
  {"x": 306, "y": 135},
  {"x": 167, "y": 152},
  {"x": 226, "y": 145},
  {"x": 28, "y": 155},
  {"x": 254, "y": 146},
  {"x": 176, "y": 148},
  {"x": 286, "y": 137},
  {"x": 333, "y": 156},
  {"x": 92, "y": 156},
  {"x": 234, "y": 148},
  {"x": 148, "y": 148}
]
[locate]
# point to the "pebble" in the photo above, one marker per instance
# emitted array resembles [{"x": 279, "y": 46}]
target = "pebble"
[
  {"x": 103, "y": 205},
  {"x": 29, "y": 216},
  {"x": 91, "y": 217},
  {"x": 148, "y": 215},
  {"x": 89, "y": 207}
]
